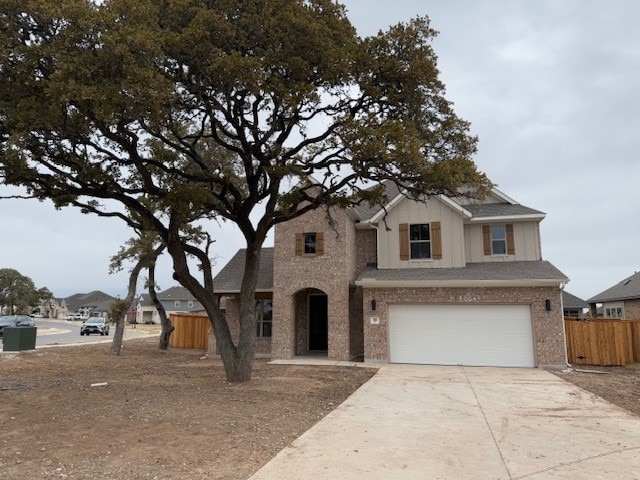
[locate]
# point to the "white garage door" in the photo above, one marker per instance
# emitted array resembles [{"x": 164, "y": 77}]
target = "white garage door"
[{"x": 481, "y": 335}]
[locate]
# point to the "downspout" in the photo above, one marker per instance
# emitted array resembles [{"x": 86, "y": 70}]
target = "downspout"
[{"x": 564, "y": 330}]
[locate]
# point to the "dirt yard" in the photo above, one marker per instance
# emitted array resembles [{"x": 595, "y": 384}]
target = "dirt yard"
[
  {"x": 162, "y": 415},
  {"x": 619, "y": 385},
  {"x": 172, "y": 415}
]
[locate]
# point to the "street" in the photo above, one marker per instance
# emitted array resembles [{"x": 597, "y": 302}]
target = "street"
[{"x": 53, "y": 332}]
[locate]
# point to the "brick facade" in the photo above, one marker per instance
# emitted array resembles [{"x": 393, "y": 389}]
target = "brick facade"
[
  {"x": 297, "y": 276},
  {"x": 632, "y": 309},
  {"x": 548, "y": 327}
]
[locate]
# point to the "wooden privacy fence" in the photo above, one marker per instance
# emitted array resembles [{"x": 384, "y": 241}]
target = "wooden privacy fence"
[
  {"x": 191, "y": 331},
  {"x": 602, "y": 341}
]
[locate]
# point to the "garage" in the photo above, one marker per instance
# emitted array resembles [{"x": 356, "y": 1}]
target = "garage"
[{"x": 474, "y": 335}]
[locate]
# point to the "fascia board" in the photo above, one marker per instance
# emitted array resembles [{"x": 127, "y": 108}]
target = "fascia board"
[
  {"x": 504, "y": 196},
  {"x": 372, "y": 283},
  {"x": 397, "y": 199},
  {"x": 531, "y": 216},
  {"x": 458, "y": 208}
]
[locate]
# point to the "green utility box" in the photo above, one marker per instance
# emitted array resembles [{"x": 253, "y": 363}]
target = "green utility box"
[{"x": 16, "y": 339}]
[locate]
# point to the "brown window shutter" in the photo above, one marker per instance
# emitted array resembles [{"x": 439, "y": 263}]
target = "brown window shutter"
[
  {"x": 319, "y": 243},
  {"x": 403, "y": 230},
  {"x": 511, "y": 246},
  {"x": 299, "y": 243},
  {"x": 436, "y": 241},
  {"x": 486, "y": 239}
]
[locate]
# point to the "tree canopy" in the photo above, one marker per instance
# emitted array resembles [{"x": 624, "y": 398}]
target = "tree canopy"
[
  {"x": 18, "y": 293},
  {"x": 184, "y": 111}
]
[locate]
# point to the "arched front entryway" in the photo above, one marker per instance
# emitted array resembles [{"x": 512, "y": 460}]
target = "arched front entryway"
[{"x": 312, "y": 321}]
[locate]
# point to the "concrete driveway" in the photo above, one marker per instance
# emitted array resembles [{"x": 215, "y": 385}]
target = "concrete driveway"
[{"x": 430, "y": 422}]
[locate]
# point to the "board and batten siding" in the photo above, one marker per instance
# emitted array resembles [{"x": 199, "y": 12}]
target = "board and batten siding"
[
  {"x": 412, "y": 212},
  {"x": 526, "y": 236}
]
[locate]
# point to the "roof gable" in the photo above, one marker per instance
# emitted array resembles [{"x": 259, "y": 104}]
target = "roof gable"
[
  {"x": 501, "y": 207},
  {"x": 571, "y": 301},
  {"x": 627, "y": 289},
  {"x": 229, "y": 280}
]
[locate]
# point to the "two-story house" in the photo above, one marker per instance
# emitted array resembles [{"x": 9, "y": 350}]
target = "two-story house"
[
  {"x": 174, "y": 299},
  {"x": 444, "y": 281}
]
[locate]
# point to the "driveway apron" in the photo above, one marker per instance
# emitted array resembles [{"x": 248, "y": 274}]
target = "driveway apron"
[{"x": 432, "y": 422}]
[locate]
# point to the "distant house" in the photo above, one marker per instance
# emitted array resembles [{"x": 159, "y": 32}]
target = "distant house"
[
  {"x": 620, "y": 301},
  {"x": 53, "y": 308},
  {"x": 573, "y": 306},
  {"x": 92, "y": 304},
  {"x": 174, "y": 299}
]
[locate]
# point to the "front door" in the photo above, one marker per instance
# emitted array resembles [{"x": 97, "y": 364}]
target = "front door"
[{"x": 318, "y": 322}]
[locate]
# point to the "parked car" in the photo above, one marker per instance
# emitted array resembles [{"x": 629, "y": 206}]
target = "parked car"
[
  {"x": 15, "y": 321},
  {"x": 95, "y": 325}
]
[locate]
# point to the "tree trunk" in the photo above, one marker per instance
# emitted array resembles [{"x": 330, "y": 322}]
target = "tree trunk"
[
  {"x": 237, "y": 359},
  {"x": 143, "y": 262},
  {"x": 167, "y": 328}
]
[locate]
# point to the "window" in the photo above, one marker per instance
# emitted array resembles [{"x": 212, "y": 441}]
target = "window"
[
  {"x": 309, "y": 243},
  {"x": 264, "y": 317},
  {"x": 419, "y": 241},
  {"x": 498, "y": 239},
  {"x": 190, "y": 304},
  {"x": 176, "y": 303},
  {"x": 613, "y": 312}
]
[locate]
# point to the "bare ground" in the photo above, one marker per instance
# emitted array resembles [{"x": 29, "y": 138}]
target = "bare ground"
[
  {"x": 618, "y": 385},
  {"x": 171, "y": 415},
  {"x": 162, "y": 415}
]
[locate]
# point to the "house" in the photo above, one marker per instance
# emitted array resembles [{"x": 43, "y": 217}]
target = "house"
[
  {"x": 573, "y": 306},
  {"x": 174, "y": 299},
  {"x": 95, "y": 303},
  {"x": 444, "y": 281},
  {"x": 620, "y": 301}
]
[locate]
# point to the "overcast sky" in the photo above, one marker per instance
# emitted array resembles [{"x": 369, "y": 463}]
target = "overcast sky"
[{"x": 551, "y": 90}]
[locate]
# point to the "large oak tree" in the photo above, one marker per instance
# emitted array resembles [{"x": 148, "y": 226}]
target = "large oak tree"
[{"x": 190, "y": 110}]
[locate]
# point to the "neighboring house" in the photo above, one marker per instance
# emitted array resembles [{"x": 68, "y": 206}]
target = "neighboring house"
[
  {"x": 446, "y": 281},
  {"x": 174, "y": 299},
  {"x": 53, "y": 308},
  {"x": 573, "y": 306},
  {"x": 620, "y": 301},
  {"x": 92, "y": 304}
]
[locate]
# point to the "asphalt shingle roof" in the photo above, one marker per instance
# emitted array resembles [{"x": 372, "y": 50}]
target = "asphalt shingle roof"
[
  {"x": 75, "y": 302},
  {"x": 365, "y": 211},
  {"x": 500, "y": 210},
  {"x": 571, "y": 301},
  {"x": 488, "y": 271},
  {"x": 627, "y": 289},
  {"x": 230, "y": 277}
]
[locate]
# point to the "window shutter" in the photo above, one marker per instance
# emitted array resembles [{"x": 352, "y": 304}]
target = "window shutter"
[
  {"x": 319, "y": 243},
  {"x": 299, "y": 244},
  {"x": 436, "y": 241},
  {"x": 486, "y": 239},
  {"x": 403, "y": 230},
  {"x": 511, "y": 246}
]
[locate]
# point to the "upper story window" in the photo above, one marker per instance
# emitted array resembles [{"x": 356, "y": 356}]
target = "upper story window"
[
  {"x": 310, "y": 243},
  {"x": 264, "y": 317},
  {"x": 498, "y": 239},
  {"x": 176, "y": 303},
  {"x": 190, "y": 304},
  {"x": 420, "y": 241}
]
